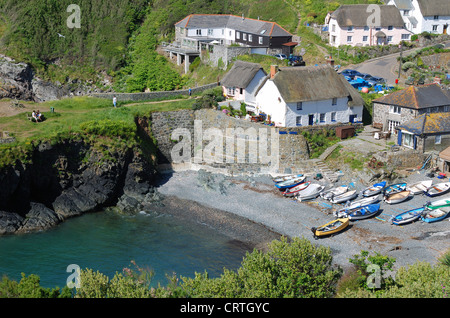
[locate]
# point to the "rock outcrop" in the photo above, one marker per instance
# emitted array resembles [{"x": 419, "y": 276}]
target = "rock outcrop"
[{"x": 70, "y": 179}]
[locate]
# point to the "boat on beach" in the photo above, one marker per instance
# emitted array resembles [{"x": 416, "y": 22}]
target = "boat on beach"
[
  {"x": 374, "y": 189},
  {"x": 363, "y": 202},
  {"x": 286, "y": 177},
  {"x": 364, "y": 212},
  {"x": 296, "y": 190},
  {"x": 344, "y": 197},
  {"x": 435, "y": 215},
  {"x": 438, "y": 204},
  {"x": 397, "y": 197},
  {"x": 438, "y": 189},
  {"x": 328, "y": 194},
  {"x": 310, "y": 192},
  {"x": 420, "y": 187},
  {"x": 290, "y": 183},
  {"x": 408, "y": 216},
  {"x": 330, "y": 228},
  {"x": 394, "y": 188}
]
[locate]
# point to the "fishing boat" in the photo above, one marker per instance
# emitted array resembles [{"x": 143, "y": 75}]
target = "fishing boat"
[
  {"x": 394, "y": 188},
  {"x": 330, "y": 228},
  {"x": 374, "y": 189},
  {"x": 310, "y": 192},
  {"x": 363, "y": 202},
  {"x": 438, "y": 204},
  {"x": 408, "y": 216},
  {"x": 397, "y": 197},
  {"x": 295, "y": 190},
  {"x": 438, "y": 189},
  {"x": 286, "y": 177},
  {"x": 420, "y": 187},
  {"x": 333, "y": 192},
  {"x": 364, "y": 212},
  {"x": 436, "y": 215},
  {"x": 344, "y": 197},
  {"x": 290, "y": 183}
]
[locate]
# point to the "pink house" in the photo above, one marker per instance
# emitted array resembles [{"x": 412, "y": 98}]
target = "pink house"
[{"x": 361, "y": 25}]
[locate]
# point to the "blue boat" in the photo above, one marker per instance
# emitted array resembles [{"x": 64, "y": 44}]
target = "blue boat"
[
  {"x": 364, "y": 212},
  {"x": 374, "y": 189},
  {"x": 436, "y": 215},
  {"x": 290, "y": 183},
  {"x": 394, "y": 188},
  {"x": 408, "y": 216}
]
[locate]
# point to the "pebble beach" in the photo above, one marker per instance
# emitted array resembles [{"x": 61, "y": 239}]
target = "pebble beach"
[{"x": 251, "y": 210}]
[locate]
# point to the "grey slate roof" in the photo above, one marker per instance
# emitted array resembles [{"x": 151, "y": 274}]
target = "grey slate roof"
[
  {"x": 428, "y": 124},
  {"x": 404, "y": 4},
  {"x": 356, "y": 15},
  {"x": 233, "y": 22},
  {"x": 313, "y": 83},
  {"x": 434, "y": 7},
  {"x": 241, "y": 74}
]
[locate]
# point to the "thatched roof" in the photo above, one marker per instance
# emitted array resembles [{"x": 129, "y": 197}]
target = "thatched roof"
[
  {"x": 434, "y": 7},
  {"x": 417, "y": 97},
  {"x": 241, "y": 74},
  {"x": 313, "y": 83},
  {"x": 357, "y": 15}
]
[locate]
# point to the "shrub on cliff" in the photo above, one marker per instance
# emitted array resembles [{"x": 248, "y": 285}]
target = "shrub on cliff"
[{"x": 109, "y": 128}]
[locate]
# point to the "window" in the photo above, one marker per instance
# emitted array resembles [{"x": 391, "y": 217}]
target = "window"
[
  {"x": 435, "y": 27},
  {"x": 436, "y": 17},
  {"x": 406, "y": 13},
  {"x": 405, "y": 36},
  {"x": 395, "y": 110},
  {"x": 349, "y": 38},
  {"x": 298, "y": 120},
  {"x": 244, "y": 36},
  {"x": 366, "y": 28},
  {"x": 390, "y": 28},
  {"x": 322, "y": 118},
  {"x": 408, "y": 140},
  {"x": 238, "y": 35},
  {"x": 299, "y": 105},
  {"x": 210, "y": 31},
  {"x": 350, "y": 29},
  {"x": 389, "y": 38},
  {"x": 333, "y": 116},
  {"x": 437, "y": 140},
  {"x": 250, "y": 38},
  {"x": 333, "y": 28},
  {"x": 333, "y": 39},
  {"x": 260, "y": 40},
  {"x": 199, "y": 32},
  {"x": 365, "y": 38},
  {"x": 334, "y": 101},
  {"x": 230, "y": 91},
  {"x": 377, "y": 29}
]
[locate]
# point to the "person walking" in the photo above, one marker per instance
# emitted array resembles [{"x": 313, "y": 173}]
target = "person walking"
[
  {"x": 115, "y": 101},
  {"x": 190, "y": 92}
]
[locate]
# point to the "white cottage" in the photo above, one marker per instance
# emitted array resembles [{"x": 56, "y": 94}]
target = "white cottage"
[{"x": 310, "y": 95}]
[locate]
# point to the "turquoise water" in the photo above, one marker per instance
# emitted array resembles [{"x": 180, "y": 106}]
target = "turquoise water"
[{"x": 108, "y": 242}]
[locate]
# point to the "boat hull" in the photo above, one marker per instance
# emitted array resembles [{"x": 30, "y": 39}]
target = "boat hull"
[
  {"x": 408, "y": 216},
  {"x": 394, "y": 188},
  {"x": 420, "y": 187},
  {"x": 296, "y": 190},
  {"x": 435, "y": 215},
  {"x": 311, "y": 192},
  {"x": 364, "y": 212},
  {"x": 397, "y": 197},
  {"x": 438, "y": 189},
  {"x": 286, "y": 178},
  {"x": 374, "y": 189},
  {"x": 290, "y": 183},
  {"x": 330, "y": 228},
  {"x": 350, "y": 195}
]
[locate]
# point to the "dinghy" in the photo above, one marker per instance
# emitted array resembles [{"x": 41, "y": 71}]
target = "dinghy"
[
  {"x": 290, "y": 183},
  {"x": 420, "y": 187},
  {"x": 333, "y": 192},
  {"x": 330, "y": 228},
  {"x": 438, "y": 204},
  {"x": 438, "y": 189},
  {"x": 364, "y": 212},
  {"x": 394, "y": 188},
  {"x": 408, "y": 216},
  {"x": 344, "y": 197},
  {"x": 374, "y": 189},
  {"x": 436, "y": 215},
  {"x": 362, "y": 202},
  {"x": 286, "y": 177},
  {"x": 310, "y": 192},
  {"x": 295, "y": 190},
  {"x": 397, "y": 197}
]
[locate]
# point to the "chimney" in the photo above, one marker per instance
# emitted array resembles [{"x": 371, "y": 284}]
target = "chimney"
[{"x": 273, "y": 71}]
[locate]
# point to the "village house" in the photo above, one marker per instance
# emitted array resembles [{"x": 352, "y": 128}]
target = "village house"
[
  {"x": 350, "y": 25},
  {"x": 402, "y": 106},
  {"x": 242, "y": 81},
  {"x": 310, "y": 95},
  {"x": 420, "y": 16},
  {"x": 219, "y": 38}
]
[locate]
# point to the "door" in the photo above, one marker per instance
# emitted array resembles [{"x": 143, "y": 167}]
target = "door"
[
  {"x": 352, "y": 118},
  {"x": 311, "y": 120}
]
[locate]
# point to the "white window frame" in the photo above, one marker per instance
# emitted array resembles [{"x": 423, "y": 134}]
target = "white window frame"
[
  {"x": 299, "y": 105},
  {"x": 333, "y": 116},
  {"x": 322, "y": 117},
  {"x": 365, "y": 38},
  {"x": 260, "y": 40},
  {"x": 298, "y": 120},
  {"x": 250, "y": 37},
  {"x": 437, "y": 139},
  {"x": 408, "y": 140},
  {"x": 349, "y": 38},
  {"x": 238, "y": 35},
  {"x": 395, "y": 109}
]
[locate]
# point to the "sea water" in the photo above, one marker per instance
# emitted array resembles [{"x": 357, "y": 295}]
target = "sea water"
[{"x": 108, "y": 242}]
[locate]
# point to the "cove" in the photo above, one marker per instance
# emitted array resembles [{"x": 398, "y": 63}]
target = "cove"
[{"x": 107, "y": 241}]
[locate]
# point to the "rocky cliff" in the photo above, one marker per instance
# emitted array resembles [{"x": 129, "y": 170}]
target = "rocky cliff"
[{"x": 67, "y": 180}]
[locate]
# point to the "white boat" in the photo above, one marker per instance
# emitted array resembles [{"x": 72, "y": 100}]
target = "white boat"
[
  {"x": 363, "y": 202},
  {"x": 397, "y": 197},
  {"x": 296, "y": 190},
  {"x": 438, "y": 204},
  {"x": 310, "y": 192},
  {"x": 374, "y": 189},
  {"x": 290, "y": 183},
  {"x": 420, "y": 187},
  {"x": 344, "y": 197},
  {"x": 328, "y": 194},
  {"x": 436, "y": 215},
  {"x": 438, "y": 189},
  {"x": 286, "y": 177}
]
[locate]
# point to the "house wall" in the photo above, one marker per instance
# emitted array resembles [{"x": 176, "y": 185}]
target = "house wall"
[
  {"x": 429, "y": 22},
  {"x": 269, "y": 101},
  {"x": 250, "y": 90},
  {"x": 429, "y": 143},
  {"x": 381, "y": 115}
]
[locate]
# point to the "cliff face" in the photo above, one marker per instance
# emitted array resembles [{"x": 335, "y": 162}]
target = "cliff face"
[{"x": 67, "y": 180}]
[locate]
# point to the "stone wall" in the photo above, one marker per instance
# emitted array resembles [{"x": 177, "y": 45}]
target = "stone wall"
[{"x": 126, "y": 97}]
